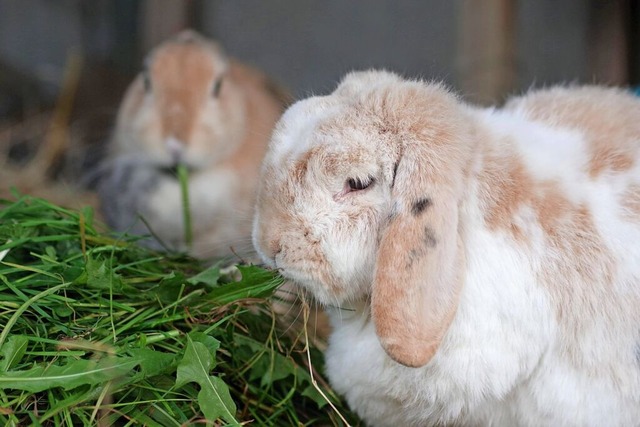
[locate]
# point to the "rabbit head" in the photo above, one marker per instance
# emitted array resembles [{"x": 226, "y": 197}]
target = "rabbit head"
[
  {"x": 359, "y": 201},
  {"x": 181, "y": 108}
]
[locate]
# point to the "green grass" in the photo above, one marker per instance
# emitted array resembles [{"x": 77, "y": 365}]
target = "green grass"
[{"x": 99, "y": 331}]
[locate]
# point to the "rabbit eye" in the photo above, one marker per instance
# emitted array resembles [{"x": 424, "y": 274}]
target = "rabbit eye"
[
  {"x": 147, "y": 82},
  {"x": 146, "y": 78},
  {"x": 356, "y": 184},
  {"x": 216, "y": 88}
]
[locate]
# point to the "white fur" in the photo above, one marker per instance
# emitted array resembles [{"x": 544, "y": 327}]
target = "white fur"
[{"x": 502, "y": 361}]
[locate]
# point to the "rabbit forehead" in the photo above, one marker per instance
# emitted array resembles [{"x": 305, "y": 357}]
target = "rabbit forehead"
[
  {"x": 331, "y": 135},
  {"x": 296, "y": 132},
  {"x": 186, "y": 65}
]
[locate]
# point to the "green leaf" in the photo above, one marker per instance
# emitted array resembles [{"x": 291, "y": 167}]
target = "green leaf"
[
  {"x": 196, "y": 363},
  {"x": 71, "y": 375},
  {"x": 152, "y": 362},
  {"x": 170, "y": 288},
  {"x": 51, "y": 252},
  {"x": 271, "y": 366},
  {"x": 255, "y": 283},
  {"x": 210, "y": 342},
  {"x": 63, "y": 311},
  {"x": 99, "y": 276},
  {"x": 278, "y": 369},
  {"x": 214, "y": 398},
  {"x": 253, "y": 275},
  {"x": 210, "y": 276},
  {"x": 312, "y": 393},
  {"x": 12, "y": 351}
]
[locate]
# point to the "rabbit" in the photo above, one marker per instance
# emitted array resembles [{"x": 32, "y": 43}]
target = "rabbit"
[
  {"x": 480, "y": 266},
  {"x": 191, "y": 105}
]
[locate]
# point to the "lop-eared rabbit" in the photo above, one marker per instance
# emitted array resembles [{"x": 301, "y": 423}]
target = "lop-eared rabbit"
[{"x": 480, "y": 266}]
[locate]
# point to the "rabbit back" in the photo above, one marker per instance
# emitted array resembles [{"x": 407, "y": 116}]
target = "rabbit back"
[{"x": 546, "y": 330}]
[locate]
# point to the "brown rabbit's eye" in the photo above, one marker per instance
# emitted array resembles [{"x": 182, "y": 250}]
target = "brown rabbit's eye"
[
  {"x": 146, "y": 78},
  {"x": 216, "y": 87},
  {"x": 356, "y": 184},
  {"x": 147, "y": 81}
]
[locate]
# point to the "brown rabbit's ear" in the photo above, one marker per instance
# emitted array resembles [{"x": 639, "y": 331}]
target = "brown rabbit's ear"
[{"x": 419, "y": 266}]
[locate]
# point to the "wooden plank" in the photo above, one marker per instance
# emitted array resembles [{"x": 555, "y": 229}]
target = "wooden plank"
[
  {"x": 486, "y": 67},
  {"x": 162, "y": 19},
  {"x": 608, "y": 34}
]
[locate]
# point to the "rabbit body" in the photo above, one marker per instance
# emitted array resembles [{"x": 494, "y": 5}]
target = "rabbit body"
[
  {"x": 489, "y": 273},
  {"x": 192, "y": 106}
]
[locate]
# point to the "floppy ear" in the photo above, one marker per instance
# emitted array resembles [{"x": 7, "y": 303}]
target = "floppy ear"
[
  {"x": 419, "y": 268},
  {"x": 419, "y": 271}
]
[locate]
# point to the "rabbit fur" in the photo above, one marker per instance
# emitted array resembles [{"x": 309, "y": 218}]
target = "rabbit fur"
[
  {"x": 480, "y": 266},
  {"x": 190, "y": 105}
]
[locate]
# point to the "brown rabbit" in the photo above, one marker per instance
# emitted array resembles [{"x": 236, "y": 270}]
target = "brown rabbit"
[{"x": 192, "y": 106}]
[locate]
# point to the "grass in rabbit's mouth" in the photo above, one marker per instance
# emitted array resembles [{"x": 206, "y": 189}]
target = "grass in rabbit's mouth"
[
  {"x": 99, "y": 331},
  {"x": 183, "y": 178}
]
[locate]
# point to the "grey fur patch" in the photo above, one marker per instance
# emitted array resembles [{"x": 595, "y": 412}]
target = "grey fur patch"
[
  {"x": 414, "y": 255},
  {"x": 430, "y": 237},
  {"x": 420, "y": 252},
  {"x": 394, "y": 212},
  {"x": 124, "y": 191}
]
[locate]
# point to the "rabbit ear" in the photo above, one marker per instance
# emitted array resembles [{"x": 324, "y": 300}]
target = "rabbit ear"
[{"x": 418, "y": 275}]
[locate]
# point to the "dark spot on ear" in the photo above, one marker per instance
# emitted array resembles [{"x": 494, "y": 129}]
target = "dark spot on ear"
[
  {"x": 430, "y": 237},
  {"x": 216, "y": 87},
  {"x": 420, "y": 205},
  {"x": 413, "y": 256},
  {"x": 420, "y": 252}
]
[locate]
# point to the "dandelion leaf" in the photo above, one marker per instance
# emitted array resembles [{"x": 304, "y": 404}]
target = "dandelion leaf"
[
  {"x": 214, "y": 398},
  {"x": 73, "y": 374}
]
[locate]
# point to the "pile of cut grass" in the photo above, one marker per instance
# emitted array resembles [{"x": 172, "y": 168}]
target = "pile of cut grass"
[{"x": 99, "y": 331}]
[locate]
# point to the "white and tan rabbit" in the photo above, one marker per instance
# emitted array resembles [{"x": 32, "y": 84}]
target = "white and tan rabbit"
[
  {"x": 191, "y": 105},
  {"x": 480, "y": 266}
]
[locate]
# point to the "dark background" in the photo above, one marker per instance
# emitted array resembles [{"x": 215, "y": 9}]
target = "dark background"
[{"x": 485, "y": 49}]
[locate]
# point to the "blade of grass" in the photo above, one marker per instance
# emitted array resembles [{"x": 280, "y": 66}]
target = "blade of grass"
[
  {"x": 24, "y": 307},
  {"x": 183, "y": 178},
  {"x": 153, "y": 302}
]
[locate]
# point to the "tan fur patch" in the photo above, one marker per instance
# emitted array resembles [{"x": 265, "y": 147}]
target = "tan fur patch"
[
  {"x": 577, "y": 268},
  {"x": 608, "y": 118},
  {"x": 569, "y": 229},
  {"x": 181, "y": 78},
  {"x": 262, "y": 111},
  {"x": 505, "y": 187}
]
